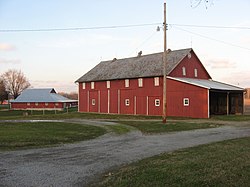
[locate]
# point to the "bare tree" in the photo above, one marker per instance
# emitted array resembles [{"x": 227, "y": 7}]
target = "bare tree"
[
  {"x": 3, "y": 92},
  {"x": 71, "y": 95},
  {"x": 15, "y": 82}
]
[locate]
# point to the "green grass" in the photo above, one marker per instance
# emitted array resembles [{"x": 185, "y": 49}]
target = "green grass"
[
  {"x": 38, "y": 134},
  {"x": 232, "y": 118},
  {"x": 220, "y": 164},
  {"x": 119, "y": 129},
  {"x": 4, "y": 107},
  {"x": 159, "y": 127}
]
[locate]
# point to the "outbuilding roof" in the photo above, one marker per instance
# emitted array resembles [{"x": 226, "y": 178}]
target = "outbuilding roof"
[
  {"x": 208, "y": 84},
  {"x": 142, "y": 66},
  {"x": 40, "y": 95}
]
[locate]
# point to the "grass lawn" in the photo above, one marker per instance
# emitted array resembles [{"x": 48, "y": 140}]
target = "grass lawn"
[
  {"x": 39, "y": 134},
  {"x": 149, "y": 127},
  {"x": 220, "y": 164},
  {"x": 232, "y": 118}
]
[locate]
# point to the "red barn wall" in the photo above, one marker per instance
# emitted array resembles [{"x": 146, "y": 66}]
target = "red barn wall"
[
  {"x": 190, "y": 64},
  {"x": 41, "y": 105},
  {"x": 198, "y": 100}
]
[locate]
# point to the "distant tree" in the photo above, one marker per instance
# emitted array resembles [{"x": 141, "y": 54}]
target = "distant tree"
[
  {"x": 15, "y": 82},
  {"x": 71, "y": 95},
  {"x": 3, "y": 92}
]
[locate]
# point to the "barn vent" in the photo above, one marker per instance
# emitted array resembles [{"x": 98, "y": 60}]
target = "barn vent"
[{"x": 139, "y": 54}]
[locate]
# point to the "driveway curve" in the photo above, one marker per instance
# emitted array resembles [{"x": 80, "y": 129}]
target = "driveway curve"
[{"x": 80, "y": 163}]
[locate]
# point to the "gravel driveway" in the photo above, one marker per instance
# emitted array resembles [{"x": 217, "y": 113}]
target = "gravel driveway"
[{"x": 80, "y": 163}]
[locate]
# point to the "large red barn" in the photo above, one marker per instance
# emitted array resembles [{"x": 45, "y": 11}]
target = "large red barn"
[{"x": 135, "y": 86}]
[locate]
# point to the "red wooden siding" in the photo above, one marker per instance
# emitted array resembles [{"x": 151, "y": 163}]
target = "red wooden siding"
[
  {"x": 190, "y": 65},
  {"x": 198, "y": 100}
]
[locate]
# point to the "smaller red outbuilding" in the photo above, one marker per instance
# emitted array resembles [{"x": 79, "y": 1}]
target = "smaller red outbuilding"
[{"x": 40, "y": 99}]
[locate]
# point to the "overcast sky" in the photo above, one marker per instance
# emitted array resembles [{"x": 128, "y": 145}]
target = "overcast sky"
[{"x": 58, "y": 58}]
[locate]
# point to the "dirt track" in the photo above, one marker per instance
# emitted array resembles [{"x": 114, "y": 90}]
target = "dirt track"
[{"x": 80, "y": 163}]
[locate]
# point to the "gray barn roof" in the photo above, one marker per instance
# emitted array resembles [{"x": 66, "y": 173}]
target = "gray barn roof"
[
  {"x": 209, "y": 84},
  {"x": 40, "y": 95},
  {"x": 143, "y": 66}
]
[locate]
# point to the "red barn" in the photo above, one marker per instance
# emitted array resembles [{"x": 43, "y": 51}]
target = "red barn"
[
  {"x": 135, "y": 86},
  {"x": 40, "y": 99}
]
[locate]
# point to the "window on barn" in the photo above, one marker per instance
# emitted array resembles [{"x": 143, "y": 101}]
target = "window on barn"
[
  {"x": 195, "y": 73},
  {"x": 126, "y": 102},
  {"x": 183, "y": 71},
  {"x": 56, "y": 104},
  {"x": 36, "y": 104},
  {"x": 108, "y": 84},
  {"x": 28, "y": 104},
  {"x": 156, "y": 81},
  {"x": 92, "y": 85},
  {"x": 157, "y": 102},
  {"x": 46, "y": 104},
  {"x": 126, "y": 83},
  {"x": 140, "y": 82},
  {"x": 186, "y": 101},
  {"x": 93, "y": 102},
  {"x": 83, "y": 86}
]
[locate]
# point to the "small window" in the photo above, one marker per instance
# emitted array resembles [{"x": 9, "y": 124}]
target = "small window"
[
  {"x": 46, "y": 104},
  {"x": 126, "y": 83},
  {"x": 195, "y": 73},
  {"x": 36, "y": 104},
  {"x": 93, "y": 102},
  {"x": 28, "y": 104},
  {"x": 92, "y": 85},
  {"x": 108, "y": 84},
  {"x": 126, "y": 102},
  {"x": 56, "y": 104},
  {"x": 140, "y": 82},
  {"x": 157, "y": 102},
  {"x": 183, "y": 71},
  {"x": 83, "y": 86},
  {"x": 186, "y": 101},
  {"x": 156, "y": 81}
]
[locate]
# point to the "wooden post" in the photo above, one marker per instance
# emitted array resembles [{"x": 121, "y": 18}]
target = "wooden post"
[
  {"x": 227, "y": 103},
  {"x": 164, "y": 113}
]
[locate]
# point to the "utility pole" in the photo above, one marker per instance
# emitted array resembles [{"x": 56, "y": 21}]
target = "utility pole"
[{"x": 164, "y": 112}]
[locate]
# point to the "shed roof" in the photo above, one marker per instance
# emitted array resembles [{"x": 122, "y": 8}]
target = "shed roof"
[
  {"x": 209, "y": 84},
  {"x": 135, "y": 67},
  {"x": 40, "y": 95}
]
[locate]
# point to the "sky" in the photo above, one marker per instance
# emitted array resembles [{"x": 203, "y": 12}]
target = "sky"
[{"x": 58, "y": 58}]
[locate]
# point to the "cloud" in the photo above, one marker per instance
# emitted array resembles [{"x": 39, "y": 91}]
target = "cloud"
[
  {"x": 9, "y": 61},
  {"x": 219, "y": 64},
  {"x": 6, "y": 47}
]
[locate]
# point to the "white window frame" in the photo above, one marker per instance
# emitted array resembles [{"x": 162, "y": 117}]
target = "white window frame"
[
  {"x": 46, "y": 104},
  {"x": 28, "y": 104},
  {"x": 184, "y": 71},
  {"x": 92, "y": 85},
  {"x": 127, "y": 103},
  {"x": 83, "y": 86},
  {"x": 108, "y": 84},
  {"x": 36, "y": 104},
  {"x": 186, "y": 102},
  {"x": 93, "y": 102},
  {"x": 56, "y": 104},
  {"x": 195, "y": 72},
  {"x": 157, "y": 81},
  {"x": 157, "y": 102},
  {"x": 140, "y": 82},
  {"x": 126, "y": 83}
]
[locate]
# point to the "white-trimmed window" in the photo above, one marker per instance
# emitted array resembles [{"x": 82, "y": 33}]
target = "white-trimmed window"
[
  {"x": 183, "y": 71},
  {"x": 36, "y": 104},
  {"x": 195, "y": 72},
  {"x": 56, "y": 104},
  {"x": 127, "y": 102},
  {"x": 83, "y": 86},
  {"x": 46, "y": 104},
  {"x": 186, "y": 101},
  {"x": 28, "y": 104},
  {"x": 108, "y": 84},
  {"x": 92, "y": 85},
  {"x": 157, "y": 102},
  {"x": 156, "y": 81},
  {"x": 93, "y": 102},
  {"x": 126, "y": 83},
  {"x": 140, "y": 82}
]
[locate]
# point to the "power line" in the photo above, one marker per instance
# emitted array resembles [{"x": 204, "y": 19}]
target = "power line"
[
  {"x": 211, "y": 26},
  {"x": 203, "y": 36},
  {"x": 77, "y": 28}
]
